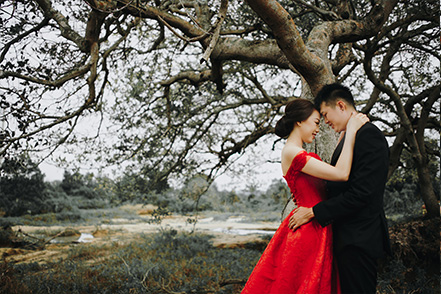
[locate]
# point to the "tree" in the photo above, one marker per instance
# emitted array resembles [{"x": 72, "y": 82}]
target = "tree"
[
  {"x": 22, "y": 188},
  {"x": 76, "y": 184},
  {"x": 196, "y": 83}
]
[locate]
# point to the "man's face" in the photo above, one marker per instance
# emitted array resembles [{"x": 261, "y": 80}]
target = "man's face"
[{"x": 334, "y": 115}]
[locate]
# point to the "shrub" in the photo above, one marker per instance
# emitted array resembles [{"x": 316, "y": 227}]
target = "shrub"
[{"x": 22, "y": 189}]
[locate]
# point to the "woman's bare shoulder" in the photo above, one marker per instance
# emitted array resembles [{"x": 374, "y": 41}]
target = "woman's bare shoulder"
[{"x": 290, "y": 151}]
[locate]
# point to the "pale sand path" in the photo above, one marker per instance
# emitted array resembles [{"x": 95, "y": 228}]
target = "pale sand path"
[{"x": 232, "y": 232}]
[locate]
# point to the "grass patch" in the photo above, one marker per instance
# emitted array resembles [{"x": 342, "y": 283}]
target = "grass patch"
[
  {"x": 173, "y": 262},
  {"x": 164, "y": 262},
  {"x": 74, "y": 217},
  {"x": 177, "y": 262}
]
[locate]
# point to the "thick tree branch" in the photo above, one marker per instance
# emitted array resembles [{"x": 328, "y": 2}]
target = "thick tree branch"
[
  {"x": 311, "y": 59},
  {"x": 433, "y": 96},
  {"x": 191, "y": 77},
  {"x": 415, "y": 138},
  {"x": 55, "y": 83},
  {"x": 309, "y": 65},
  {"x": 266, "y": 51},
  {"x": 343, "y": 57},
  {"x": 170, "y": 27}
]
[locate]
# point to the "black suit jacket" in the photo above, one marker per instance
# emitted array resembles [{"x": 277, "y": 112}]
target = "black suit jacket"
[{"x": 355, "y": 207}]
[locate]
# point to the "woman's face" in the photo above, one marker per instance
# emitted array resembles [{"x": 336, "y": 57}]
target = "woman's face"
[{"x": 309, "y": 128}]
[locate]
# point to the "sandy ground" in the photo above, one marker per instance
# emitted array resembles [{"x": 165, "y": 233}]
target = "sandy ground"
[{"x": 232, "y": 232}]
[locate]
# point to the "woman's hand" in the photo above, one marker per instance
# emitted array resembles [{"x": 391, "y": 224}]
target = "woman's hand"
[{"x": 356, "y": 121}]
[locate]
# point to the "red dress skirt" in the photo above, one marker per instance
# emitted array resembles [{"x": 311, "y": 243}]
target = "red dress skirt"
[{"x": 300, "y": 261}]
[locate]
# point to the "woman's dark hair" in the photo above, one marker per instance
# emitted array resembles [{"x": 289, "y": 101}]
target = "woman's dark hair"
[
  {"x": 295, "y": 111},
  {"x": 331, "y": 93}
]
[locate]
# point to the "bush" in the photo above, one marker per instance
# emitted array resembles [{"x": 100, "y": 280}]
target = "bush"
[
  {"x": 415, "y": 264},
  {"x": 9, "y": 282},
  {"x": 22, "y": 189},
  {"x": 402, "y": 200}
]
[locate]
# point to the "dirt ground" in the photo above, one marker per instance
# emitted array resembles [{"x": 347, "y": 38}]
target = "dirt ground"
[{"x": 231, "y": 232}]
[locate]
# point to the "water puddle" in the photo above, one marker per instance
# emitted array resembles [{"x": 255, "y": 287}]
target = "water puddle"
[{"x": 83, "y": 238}]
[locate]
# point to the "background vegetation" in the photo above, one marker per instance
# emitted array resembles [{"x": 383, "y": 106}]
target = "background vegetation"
[
  {"x": 177, "y": 262},
  {"x": 23, "y": 191}
]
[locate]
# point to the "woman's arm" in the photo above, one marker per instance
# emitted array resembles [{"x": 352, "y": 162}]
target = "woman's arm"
[{"x": 341, "y": 171}]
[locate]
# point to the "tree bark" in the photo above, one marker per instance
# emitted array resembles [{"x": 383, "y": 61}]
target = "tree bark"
[
  {"x": 312, "y": 68},
  {"x": 426, "y": 185}
]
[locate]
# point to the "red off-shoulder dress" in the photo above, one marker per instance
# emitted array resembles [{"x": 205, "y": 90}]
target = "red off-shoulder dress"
[{"x": 300, "y": 261}]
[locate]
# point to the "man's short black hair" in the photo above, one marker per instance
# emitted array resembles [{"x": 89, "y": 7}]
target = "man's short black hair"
[{"x": 331, "y": 93}]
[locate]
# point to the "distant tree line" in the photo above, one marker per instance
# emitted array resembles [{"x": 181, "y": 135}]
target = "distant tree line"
[{"x": 23, "y": 190}]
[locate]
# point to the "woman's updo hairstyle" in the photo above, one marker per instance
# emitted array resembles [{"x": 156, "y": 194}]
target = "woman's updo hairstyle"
[{"x": 295, "y": 111}]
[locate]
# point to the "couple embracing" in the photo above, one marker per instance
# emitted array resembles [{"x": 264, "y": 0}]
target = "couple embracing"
[{"x": 331, "y": 242}]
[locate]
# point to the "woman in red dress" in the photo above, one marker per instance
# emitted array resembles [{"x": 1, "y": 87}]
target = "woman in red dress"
[{"x": 301, "y": 261}]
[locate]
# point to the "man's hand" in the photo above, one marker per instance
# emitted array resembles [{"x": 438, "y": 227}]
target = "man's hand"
[{"x": 301, "y": 216}]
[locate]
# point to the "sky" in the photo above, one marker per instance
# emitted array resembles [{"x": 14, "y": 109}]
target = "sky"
[{"x": 260, "y": 171}]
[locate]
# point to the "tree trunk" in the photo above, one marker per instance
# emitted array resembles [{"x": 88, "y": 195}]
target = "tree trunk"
[
  {"x": 427, "y": 192},
  {"x": 421, "y": 158}
]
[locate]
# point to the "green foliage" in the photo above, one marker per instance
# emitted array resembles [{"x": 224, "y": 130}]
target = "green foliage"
[
  {"x": 266, "y": 205},
  {"x": 402, "y": 200},
  {"x": 414, "y": 266},
  {"x": 137, "y": 187},
  {"x": 9, "y": 282},
  {"x": 402, "y": 196},
  {"x": 77, "y": 184},
  {"x": 24, "y": 192},
  {"x": 22, "y": 188},
  {"x": 158, "y": 214}
]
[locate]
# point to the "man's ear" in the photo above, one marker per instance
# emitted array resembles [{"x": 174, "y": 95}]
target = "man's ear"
[{"x": 341, "y": 105}]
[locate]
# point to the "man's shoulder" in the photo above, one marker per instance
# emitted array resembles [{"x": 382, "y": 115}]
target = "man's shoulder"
[
  {"x": 371, "y": 135},
  {"x": 370, "y": 128}
]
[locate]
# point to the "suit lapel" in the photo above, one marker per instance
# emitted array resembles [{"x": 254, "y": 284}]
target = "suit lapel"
[{"x": 337, "y": 151}]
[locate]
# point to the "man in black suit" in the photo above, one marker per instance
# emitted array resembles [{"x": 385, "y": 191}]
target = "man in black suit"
[{"x": 354, "y": 208}]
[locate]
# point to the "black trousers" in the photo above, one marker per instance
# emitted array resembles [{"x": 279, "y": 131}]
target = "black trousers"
[{"x": 358, "y": 271}]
